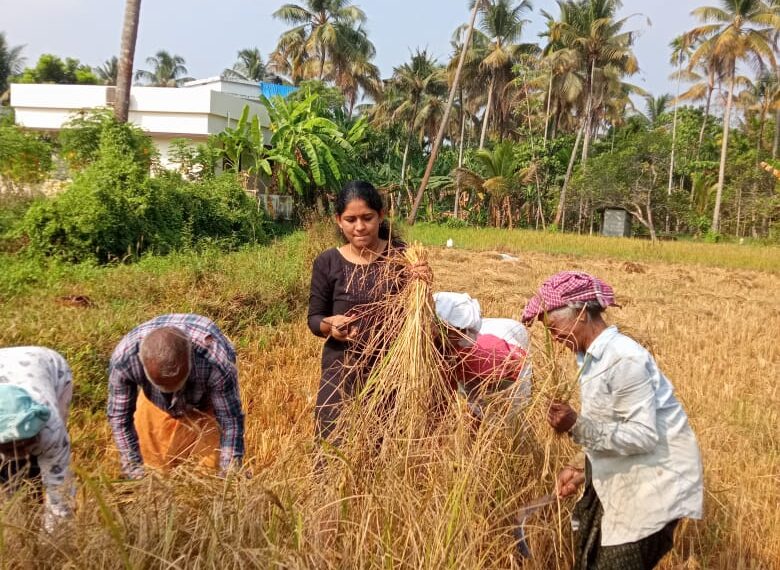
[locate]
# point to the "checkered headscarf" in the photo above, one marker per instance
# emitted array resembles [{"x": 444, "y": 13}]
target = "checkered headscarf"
[{"x": 568, "y": 287}]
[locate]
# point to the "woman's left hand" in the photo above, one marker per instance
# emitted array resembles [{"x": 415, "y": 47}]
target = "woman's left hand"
[{"x": 561, "y": 416}]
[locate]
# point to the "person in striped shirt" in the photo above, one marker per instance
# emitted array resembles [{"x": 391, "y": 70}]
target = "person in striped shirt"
[{"x": 173, "y": 395}]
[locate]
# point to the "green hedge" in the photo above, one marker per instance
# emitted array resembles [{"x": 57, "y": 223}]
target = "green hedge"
[{"x": 114, "y": 211}]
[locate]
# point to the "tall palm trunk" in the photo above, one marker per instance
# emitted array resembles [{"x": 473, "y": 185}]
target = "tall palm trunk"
[
  {"x": 447, "y": 110},
  {"x": 710, "y": 89},
  {"x": 460, "y": 154},
  {"x": 588, "y": 115},
  {"x": 547, "y": 113},
  {"x": 724, "y": 151},
  {"x": 409, "y": 142},
  {"x": 569, "y": 169},
  {"x": 761, "y": 125},
  {"x": 124, "y": 78},
  {"x": 674, "y": 131},
  {"x": 486, "y": 118},
  {"x": 323, "y": 56},
  {"x": 776, "y": 142},
  {"x": 533, "y": 149}
]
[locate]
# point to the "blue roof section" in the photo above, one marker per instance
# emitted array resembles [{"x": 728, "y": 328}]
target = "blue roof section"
[{"x": 271, "y": 89}]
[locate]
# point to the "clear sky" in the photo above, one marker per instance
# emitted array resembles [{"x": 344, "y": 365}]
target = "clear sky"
[{"x": 208, "y": 33}]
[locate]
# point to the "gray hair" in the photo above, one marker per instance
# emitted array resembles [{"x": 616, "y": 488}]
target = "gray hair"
[
  {"x": 168, "y": 347},
  {"x": 573, "y": 310}
]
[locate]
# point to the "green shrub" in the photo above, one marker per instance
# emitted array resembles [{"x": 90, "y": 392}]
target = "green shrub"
[
  {"x": 101, "y": 215},
  {"x": 80, "y": 139},
  {"x": 114, "y": 211},
  {"x": 24, "y": 157},
  {"x": 219, "y": 208}
]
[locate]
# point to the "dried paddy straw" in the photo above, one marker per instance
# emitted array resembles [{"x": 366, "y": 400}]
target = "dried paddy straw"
[{"x": 410, "y": 478}]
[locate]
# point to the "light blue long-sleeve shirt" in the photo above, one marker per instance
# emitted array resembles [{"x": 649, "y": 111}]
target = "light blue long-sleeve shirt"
[{"x": 645, "y": 460}]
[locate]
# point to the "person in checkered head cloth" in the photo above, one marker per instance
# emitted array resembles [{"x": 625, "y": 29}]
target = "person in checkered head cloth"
[{"x": 642, "y": 470}]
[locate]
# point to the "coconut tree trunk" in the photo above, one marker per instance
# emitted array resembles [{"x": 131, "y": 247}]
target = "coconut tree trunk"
[
  {"x": 124, "y": 78},
  {"x": 710, "y": 89},
  {"x": 776, "y": 142},
  {"x": 739, "y": 209},
  {"x": 460, "y": 154},
  {"x": 761, "y": 125},
  {"x": 533, "y": 152},
  {"x": 322, "y": 63},
  {"x": 409, "y": 141},
  {"x": 588, "y": 116},
  {"x": 569, "y": 169},
  {"x": 547, "y": 113},
  {"x": 723, "y": 152},
  {"x": 674, "y": 132},
  {"x": 486, "y": 118},
  {"x": 445, "y": 119}
]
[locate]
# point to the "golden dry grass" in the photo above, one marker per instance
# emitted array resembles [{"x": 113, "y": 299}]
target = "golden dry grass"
[
  {"x": 712, "y": 330},
  {"x": 714, "y": 333}
]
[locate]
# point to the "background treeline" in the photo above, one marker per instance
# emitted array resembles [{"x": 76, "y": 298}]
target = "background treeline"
[{"x": 544, "y": 132}]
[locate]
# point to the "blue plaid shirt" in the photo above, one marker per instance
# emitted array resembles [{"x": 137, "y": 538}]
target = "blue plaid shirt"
[{"x": 213, "y": 383}]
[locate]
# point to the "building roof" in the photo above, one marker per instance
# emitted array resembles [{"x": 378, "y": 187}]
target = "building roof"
[{"x": 272, "y": 89}]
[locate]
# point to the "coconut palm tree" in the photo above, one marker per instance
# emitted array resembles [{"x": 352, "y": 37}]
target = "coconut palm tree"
[
  {"x": 11, "y": 62},
  {"x": 655, "y": 107},
  {"x": 564, "y": 83},
  {"x": 759, "y": 98},
  {"x": 681, "y": 50},
  {"x": 167, "y": 70},
  {"x": 352, "y": 68},
  {"x": 501, "y": 23},
  {"x": 740, "y": 30},
  {"x": 415, "y": 85},
  {"x": 599, "y": 52},
  {"x": 454, "y": 87},
  {"x": 250, "y": 66},
  {"x": 319, "y": 23},
  {"x": 705, "y": 74},
  {"x": 124, "y": 76},
  {"x": 496, "y": 180},
  {"x": 108, "y": 71},
  {"x": 290, "y": 58}
]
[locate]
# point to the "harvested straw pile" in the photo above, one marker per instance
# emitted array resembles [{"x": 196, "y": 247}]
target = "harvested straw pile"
[{"x": 411, "y": 478}]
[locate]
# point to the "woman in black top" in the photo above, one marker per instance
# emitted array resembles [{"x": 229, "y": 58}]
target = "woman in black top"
[{"x": 342, "y": 280}]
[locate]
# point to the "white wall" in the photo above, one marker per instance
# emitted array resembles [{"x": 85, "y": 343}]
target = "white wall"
[
  {"x": 164, "y": 113},
  {"x": 163, "y": 144},
  {"x": 58, "y": 96}
]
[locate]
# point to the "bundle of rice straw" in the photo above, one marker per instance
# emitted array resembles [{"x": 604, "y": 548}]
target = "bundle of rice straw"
[{"x": 403, "y": 389}]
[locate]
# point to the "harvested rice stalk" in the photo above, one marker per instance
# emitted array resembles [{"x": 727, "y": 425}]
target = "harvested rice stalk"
[{"x": 404, "y": 390}]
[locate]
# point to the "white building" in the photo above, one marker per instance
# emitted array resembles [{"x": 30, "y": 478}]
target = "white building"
[{"x": 194, "y": 111}]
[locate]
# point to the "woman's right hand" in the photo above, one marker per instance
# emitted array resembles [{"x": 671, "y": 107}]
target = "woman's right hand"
[{"x": 340, "y": 328}]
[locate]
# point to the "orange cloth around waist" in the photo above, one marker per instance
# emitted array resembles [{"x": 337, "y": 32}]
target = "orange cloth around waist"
[{"x": 166, "y": 441}]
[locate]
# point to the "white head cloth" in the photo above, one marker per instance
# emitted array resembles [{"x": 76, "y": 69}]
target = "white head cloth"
[{"x": 458, "y": 310}]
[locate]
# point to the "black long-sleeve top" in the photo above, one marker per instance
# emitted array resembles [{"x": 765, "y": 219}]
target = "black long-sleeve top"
[{"x": 338, "y": 287}]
